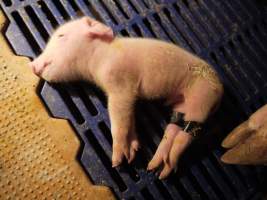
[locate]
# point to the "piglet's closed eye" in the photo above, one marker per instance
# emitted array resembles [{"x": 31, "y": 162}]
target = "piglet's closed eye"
[{"x": 61, "y": 35}]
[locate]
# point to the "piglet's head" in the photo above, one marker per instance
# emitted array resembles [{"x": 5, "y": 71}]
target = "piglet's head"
[{"x": 70, "y": 49}]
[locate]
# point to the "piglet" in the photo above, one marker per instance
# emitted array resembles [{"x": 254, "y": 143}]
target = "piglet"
[{"x": 127, "y": 69}]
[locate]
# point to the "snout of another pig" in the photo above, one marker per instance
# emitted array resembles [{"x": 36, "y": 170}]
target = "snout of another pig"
[{"x": 38, "y": 65}]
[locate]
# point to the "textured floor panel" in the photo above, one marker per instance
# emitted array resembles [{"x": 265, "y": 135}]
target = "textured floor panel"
[{"x": 37, "y": 153}]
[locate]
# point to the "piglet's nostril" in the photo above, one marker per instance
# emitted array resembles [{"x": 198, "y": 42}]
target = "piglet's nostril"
[
  {"x": 37, "y": 68},
  {"x": 36, "y": 71},
  {"x": 46, "y": 63}
]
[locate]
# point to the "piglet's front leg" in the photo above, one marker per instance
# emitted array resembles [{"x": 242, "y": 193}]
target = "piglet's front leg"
[{"x": 125, "y": 143}]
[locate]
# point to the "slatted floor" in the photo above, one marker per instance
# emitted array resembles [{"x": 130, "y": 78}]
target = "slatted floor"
[{"x": 231, "y": 35}]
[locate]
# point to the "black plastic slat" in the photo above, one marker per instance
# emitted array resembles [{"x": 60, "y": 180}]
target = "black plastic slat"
[
  {"x": 105, "y": 15},
  {"x": 157, "y": 28},
  {"x": 55, "y": 11},
  {"x": 224, "y": 21},
  {"x": 217, "y": 178},
  {"x": 239, "y": 73},
  {"x": 139, "y": 5},
  {"x": 204, "y": 20},
  {"x": 172, "y": 32},
  {"x": 43, "y": 19},
  {"x": 190, "y": 189},
  {"x": 182, "y": 27},
  {"x": 66, "y": 7},
  {"x": 214, "y": 26},
  {"x": 111, "y": 7},
  {"x": 242, "y": 59},
  {"x": 84, "y": 8},
  {"x": 206, "y": 187},
  {"x": 30, "y": 25},
  {"x": 240, "y": 188},
  {"x": 192, "y": 21}
]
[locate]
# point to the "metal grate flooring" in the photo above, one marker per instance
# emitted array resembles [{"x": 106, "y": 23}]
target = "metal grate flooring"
[{"x": 231, "y": 35}]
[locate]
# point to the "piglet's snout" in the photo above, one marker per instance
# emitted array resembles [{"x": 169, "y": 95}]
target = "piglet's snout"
[{"x": 38, "y": 66}]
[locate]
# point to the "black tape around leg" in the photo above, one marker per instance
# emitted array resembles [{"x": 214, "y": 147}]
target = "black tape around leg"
[{"x": 191, "y": 127}]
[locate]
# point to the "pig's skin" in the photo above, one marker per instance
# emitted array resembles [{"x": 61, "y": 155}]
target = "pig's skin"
[
  {"x": 131, "y": 68},
  {"x": 247, "y": 143}
]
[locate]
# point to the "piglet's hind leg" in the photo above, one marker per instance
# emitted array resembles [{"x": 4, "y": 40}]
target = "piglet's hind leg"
[{"x": 199, "y": 101}]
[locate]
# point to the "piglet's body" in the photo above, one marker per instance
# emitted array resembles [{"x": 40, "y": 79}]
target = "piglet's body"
[{"x": 127, "y": 69}]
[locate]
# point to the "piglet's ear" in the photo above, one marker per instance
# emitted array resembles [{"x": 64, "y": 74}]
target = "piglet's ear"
[{"x": 98, "y": 30}]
